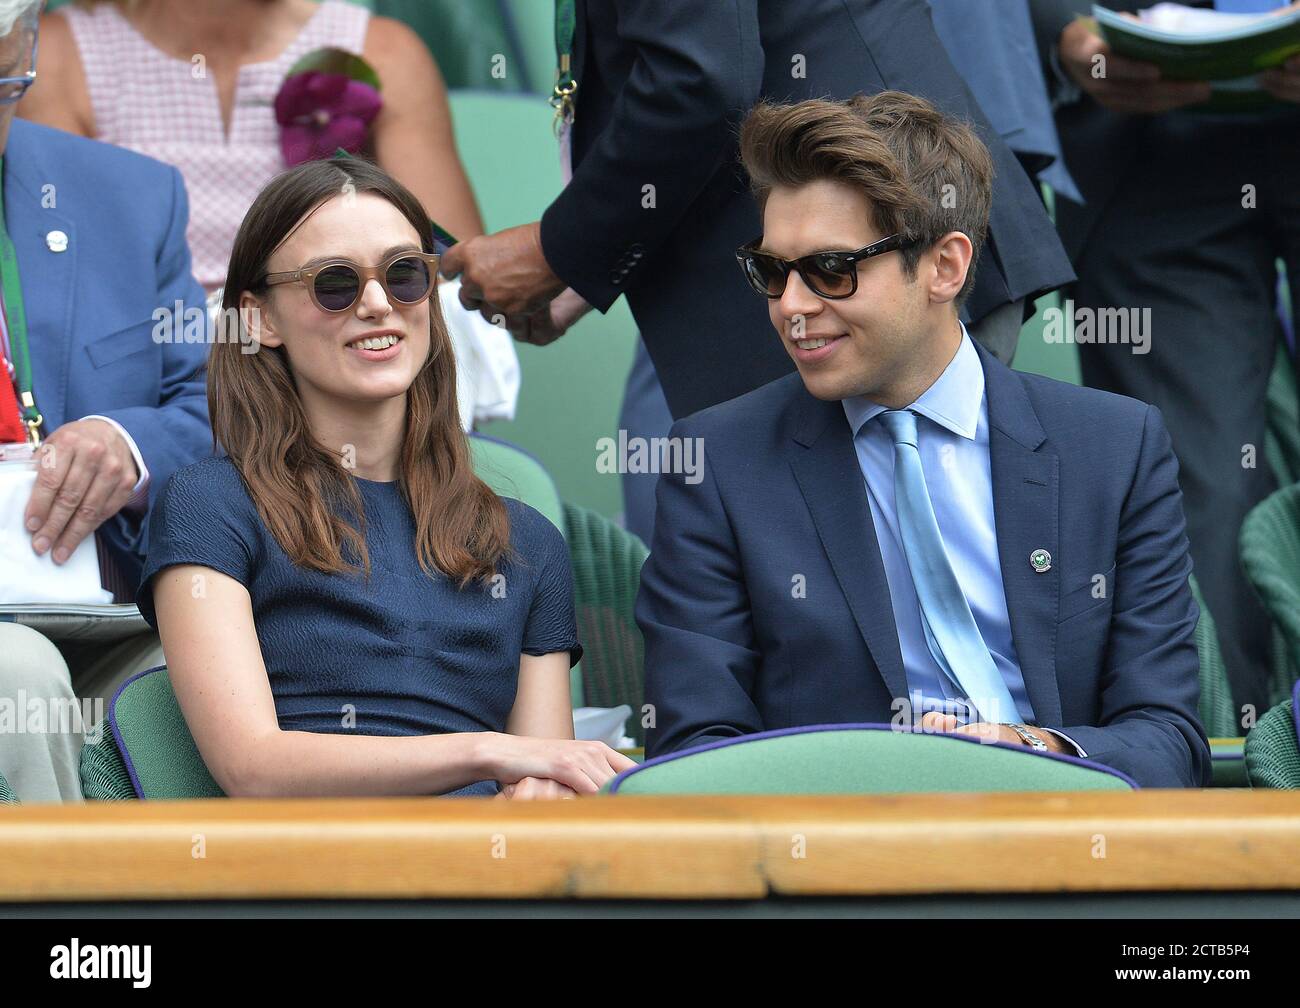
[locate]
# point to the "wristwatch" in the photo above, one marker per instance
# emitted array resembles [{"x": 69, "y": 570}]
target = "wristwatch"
[{"x": 1030, "y": 739}]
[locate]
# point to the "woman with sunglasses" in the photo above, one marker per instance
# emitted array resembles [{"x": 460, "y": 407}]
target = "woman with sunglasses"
[{"x": 346, "y": 609}]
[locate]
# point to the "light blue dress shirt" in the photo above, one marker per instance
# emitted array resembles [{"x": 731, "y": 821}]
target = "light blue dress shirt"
[{"x": 953, "y": 435}]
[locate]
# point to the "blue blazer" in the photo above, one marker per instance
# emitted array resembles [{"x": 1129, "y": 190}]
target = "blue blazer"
[
  {"x": 764, "y": 602},
  {"x": 90, "y": 308}
]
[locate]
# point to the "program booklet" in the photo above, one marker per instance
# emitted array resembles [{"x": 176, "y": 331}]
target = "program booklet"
[{"x": 1187, "y": 43}]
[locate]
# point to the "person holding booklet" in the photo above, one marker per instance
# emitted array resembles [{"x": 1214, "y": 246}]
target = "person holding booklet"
[
  {"x": 98, "y": 405},
  {"x": 1184, "y": 215},
  {"x": 345, "y": 607}
]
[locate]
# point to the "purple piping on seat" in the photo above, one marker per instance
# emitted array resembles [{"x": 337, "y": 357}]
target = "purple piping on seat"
[
  {"x": 867, "y": 726},
  {"x": 1295, "y": 709},
  {"x": 111, "y": 718}
]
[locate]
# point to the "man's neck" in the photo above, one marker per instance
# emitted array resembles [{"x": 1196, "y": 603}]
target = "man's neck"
[{"x": 917, "y": 381}]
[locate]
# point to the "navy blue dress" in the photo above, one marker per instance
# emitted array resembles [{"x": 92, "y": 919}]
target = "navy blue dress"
[{"x": 403, "y": 653}]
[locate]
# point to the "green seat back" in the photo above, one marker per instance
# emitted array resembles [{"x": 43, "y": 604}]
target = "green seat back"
[
  {"x": 1270, "y": 556},
  {"x": 155, "y": 741},
  {"x": 1218, "y": 714},
  {"x": 104, "y": 776},
  {"x": 512, "y": 472},
  {"x": 861, "y": 759},
  {"x": 1282, "y": 410},
  {"x": 5, "y": 794},
  {"x": 466, "y": 40},
  {"x": 606, "y": 574},
  {"x": 1273, "y": 747}
]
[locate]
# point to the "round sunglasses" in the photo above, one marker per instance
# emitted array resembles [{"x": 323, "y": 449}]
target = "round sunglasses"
[
  {"x": 831, "y": 275},
  {"x": 336, "y": 284}
]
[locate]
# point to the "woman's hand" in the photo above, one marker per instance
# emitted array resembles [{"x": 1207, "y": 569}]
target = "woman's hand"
[
  {"x": 582, "y": 767},
  {"x": 536, "y": 789}
]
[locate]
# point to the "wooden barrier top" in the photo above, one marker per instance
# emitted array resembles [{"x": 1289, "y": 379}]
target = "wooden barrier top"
[{"x": 644, "y": 847}]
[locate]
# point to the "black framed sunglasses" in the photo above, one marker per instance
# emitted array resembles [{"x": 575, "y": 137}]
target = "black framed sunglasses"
[
  {"x": 336, "y": 284},
  {"x": 831, "y": 275}
]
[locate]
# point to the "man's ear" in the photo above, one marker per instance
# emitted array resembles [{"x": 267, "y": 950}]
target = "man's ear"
[
  {"x": 952, "y": 261},
  {"x": 259, "y": 327}
]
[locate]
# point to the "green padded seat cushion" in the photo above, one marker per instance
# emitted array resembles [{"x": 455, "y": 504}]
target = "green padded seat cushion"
[
  {"x": 512, "y": 472},
  {"x": 862, "y": 759},
  {"x": 157, "y": 748}
]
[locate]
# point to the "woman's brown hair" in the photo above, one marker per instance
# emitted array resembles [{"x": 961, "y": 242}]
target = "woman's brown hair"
[{"x": 301, "y": 488}]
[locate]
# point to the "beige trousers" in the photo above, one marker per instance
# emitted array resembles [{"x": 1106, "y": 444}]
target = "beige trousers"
[{"x": 52, "y": 699}]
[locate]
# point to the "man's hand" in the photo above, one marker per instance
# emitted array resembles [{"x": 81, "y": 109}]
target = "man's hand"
[
  {"x": 934, "y": 721},
  {"x": 1123, "y": 85},
  {"x": 84, "y": 474},
  {"x": 504, "y": 273},
  {"x": 536, "y": 789},
  {"x": 551, "y": 322}
]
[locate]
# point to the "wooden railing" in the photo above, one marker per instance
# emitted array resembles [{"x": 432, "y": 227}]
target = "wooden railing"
[{"x": 626, "y": 847}]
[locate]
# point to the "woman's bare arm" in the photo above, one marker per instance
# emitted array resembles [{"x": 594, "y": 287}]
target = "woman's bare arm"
[
  {"x": 543, "y": 706},
  {"x": 413, "y": 135}
]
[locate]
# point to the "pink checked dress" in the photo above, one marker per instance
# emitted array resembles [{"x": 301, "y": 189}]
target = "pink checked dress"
[{"x": 167, "y": 108}]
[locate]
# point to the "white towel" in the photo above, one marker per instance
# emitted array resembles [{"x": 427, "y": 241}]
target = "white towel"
[{"x": 487, "y": 367}]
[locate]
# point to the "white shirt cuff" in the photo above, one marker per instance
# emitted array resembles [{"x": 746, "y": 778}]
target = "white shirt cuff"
[
  {"x": 1061, "y": 735},
  {"x": 139, "y": 492}
]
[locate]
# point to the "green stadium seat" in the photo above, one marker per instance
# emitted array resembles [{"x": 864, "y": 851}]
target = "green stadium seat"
[
  {"x": 1273, "y": 746},
  {"x": 5, "y": 794},
  {"x": 861, "y": 759},
  {"x": 512, "y": 472},
  {"x": 1270, "y": 555},
  {"x": 146, "y": 749},
  {"x": 1282, "y": 435},
  {"x": 607, "y": 563},
  {"x": 1218, "y": 714}
]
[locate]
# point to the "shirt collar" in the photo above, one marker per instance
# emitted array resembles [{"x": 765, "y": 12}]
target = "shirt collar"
[{"x": 953, "y": 401}]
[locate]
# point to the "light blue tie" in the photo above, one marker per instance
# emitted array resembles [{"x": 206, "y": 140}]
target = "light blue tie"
[{"x": 950, "y": 631}]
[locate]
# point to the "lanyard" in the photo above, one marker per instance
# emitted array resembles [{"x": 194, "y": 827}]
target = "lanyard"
[
  {"x": 16, "y": 317},
  {"x": 565, "y": 86}
]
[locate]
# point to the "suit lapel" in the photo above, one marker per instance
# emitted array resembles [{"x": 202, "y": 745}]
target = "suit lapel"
[
  {"x": 826, "y": 468},
  {"x": 47, "y": 276},
  {"x": 1025, "y": 507}
]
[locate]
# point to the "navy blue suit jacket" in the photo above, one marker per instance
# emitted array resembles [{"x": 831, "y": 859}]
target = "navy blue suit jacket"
[
  {"x": 733, "y": 648},
  {"x": 90, "y": 308}
]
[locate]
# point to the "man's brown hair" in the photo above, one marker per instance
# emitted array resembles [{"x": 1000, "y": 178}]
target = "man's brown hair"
[{"x": 924, "y": 173}]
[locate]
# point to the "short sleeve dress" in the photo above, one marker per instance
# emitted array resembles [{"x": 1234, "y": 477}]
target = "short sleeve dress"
[{"x": 402, "y": 653}]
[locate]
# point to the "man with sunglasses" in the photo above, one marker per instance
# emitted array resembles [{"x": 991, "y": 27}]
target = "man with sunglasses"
[
  {"x": 906, "y": 531},
  {"x": 96, "y": 366}
]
